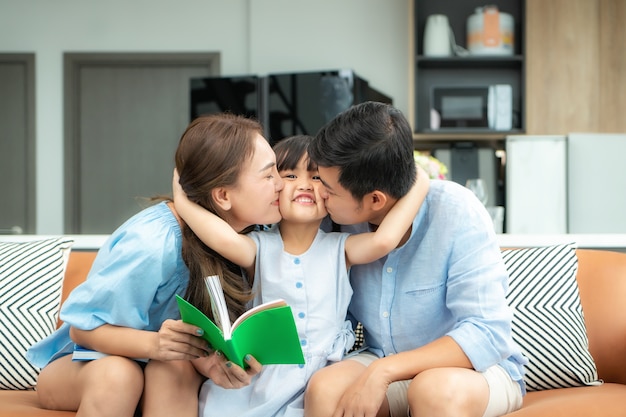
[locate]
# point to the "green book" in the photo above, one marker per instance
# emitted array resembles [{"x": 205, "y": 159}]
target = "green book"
[{"x": 267, "y": 332}]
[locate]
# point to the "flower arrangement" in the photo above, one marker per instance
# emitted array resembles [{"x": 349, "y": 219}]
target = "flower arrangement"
[{"x": 433, "y": 166}]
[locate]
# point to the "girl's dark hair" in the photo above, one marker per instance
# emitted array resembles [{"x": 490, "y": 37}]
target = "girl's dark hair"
[
  {"x": 290, "y": 150},
  {"x": 372, "y": 145},
  {"x": 212, "y": 153}
]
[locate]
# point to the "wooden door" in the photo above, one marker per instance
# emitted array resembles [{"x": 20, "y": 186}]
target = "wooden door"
[{"x": 124, "y": 116}]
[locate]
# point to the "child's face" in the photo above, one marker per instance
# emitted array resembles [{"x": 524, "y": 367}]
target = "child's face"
[{"x": 300, "y": 199}]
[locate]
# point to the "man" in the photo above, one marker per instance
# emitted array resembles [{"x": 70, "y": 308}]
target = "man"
[{"x": 437, "y": 324}]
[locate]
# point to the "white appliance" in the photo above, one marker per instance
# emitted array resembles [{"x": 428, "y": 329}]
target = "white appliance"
[
  {"x": 558, "y": 184},
  {"x": 437, "y": 36},
  {"x": 536, "y": 184},
  {"x": 500, "y": 107},
  {"x": 468, "y": 107},
  {"x": 596, "y": 183}
]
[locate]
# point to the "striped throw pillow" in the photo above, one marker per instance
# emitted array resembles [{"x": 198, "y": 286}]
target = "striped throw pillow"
[
  {"x": 548, "y": 322},
  {"x": 31, "y": 282}
]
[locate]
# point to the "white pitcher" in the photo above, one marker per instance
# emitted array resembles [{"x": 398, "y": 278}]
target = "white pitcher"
[{"x": 437, "y": 41}]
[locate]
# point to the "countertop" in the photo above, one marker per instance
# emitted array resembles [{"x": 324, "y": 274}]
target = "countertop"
[{"x": 588, "y": 241}]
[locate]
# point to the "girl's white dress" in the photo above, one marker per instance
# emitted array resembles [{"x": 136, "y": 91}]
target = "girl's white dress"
[{"x": 316, "y": 286}]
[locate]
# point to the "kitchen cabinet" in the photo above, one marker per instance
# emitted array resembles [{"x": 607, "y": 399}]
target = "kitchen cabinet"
[
  {"x": 464, "y": 71},
  {"x": 568, "y": 69},
  {"x": 468, "y": 152},
  {"x": 568, "y": 73}
]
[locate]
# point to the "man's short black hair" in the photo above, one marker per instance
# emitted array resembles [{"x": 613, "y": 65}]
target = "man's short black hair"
[{"x": 372, "y": 145}]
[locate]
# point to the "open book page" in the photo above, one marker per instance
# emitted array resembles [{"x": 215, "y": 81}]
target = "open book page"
[
  {"x": 270, "y": 304},
  {"x": 218, "y": 304},
  {"x": 220, "y": 311}
]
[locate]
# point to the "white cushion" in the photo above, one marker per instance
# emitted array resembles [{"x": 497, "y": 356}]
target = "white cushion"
[
  {"x": 31, "y": 284},
  {"x": 548, "y": 322}
]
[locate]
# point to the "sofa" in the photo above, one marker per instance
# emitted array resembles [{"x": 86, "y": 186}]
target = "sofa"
[{"x": 601, "y": 279}]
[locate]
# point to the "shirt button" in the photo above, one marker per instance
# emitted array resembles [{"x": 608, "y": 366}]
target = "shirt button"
[
  {"x": 300, "y": 365},
  {"x": 389, "y": 270},
  {"x": 386, "y": 314},
  {"x": 301, "y": 315},
  {"x": 303, "y": 342},
  {"x": 299, "y": 285},
  {"x": 296, "y": 261}
]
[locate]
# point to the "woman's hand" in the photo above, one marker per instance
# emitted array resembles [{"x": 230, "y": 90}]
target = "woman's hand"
[
  {"x": 178, "y": 340},
  {"x": 225, "y": 373}
]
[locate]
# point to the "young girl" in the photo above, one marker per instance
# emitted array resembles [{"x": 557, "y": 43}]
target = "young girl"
[{"x": 308, "y": 268}]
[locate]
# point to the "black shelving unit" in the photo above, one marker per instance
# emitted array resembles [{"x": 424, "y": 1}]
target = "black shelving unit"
[
  {"x": 468, "y": 152},
  {"x": 501, "y": 62},
  {"x": 464, "y": 71}
]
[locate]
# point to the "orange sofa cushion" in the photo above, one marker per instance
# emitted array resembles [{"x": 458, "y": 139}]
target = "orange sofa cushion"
[
  {"x": 76, "y": 271},
  {"x": 25, "y": 403}
]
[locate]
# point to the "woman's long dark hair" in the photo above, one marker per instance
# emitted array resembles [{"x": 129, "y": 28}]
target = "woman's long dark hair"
[{"x": 212, "y": 153}]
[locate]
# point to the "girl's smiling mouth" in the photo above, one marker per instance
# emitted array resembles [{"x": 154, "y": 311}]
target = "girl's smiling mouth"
[{"x": 304, "y": 199}]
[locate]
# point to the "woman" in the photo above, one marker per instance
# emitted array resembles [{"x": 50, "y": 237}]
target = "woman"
[{"x": 126, "y": 307}]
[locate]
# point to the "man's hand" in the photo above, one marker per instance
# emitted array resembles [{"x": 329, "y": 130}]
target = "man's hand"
[{"x": 364, "y": 397}]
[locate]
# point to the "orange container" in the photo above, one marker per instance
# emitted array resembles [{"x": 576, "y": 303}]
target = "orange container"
[{"x": 490, "y": 32}]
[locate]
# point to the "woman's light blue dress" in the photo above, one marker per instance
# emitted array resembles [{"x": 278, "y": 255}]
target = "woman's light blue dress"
[
  {"x": 316, "y": 286},
  {"x": 132, "y": 283}
]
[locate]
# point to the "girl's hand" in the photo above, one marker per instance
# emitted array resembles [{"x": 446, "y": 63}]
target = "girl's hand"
[
  {"x": 177, "y": 190},
  {"x": 225, "y": 373},
  {"x": 178, "y": 340}
]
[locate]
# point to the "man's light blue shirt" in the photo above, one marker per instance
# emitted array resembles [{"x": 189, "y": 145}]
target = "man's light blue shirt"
[{"x": 447, "y": 279}]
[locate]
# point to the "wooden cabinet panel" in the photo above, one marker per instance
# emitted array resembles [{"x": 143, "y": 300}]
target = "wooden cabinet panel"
[
  {"x": 575, "y": 66},
  {"x": 562, "y": 66},
  {"x": 612, "y": 80}
]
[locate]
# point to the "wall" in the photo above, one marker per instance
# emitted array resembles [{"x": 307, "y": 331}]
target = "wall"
[{"x": 369, "y": 36}]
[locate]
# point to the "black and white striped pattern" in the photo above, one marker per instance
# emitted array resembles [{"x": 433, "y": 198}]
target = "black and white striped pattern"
[
  {"x": 31, "y": 281},
  {"x": 548, "y": 322}
]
